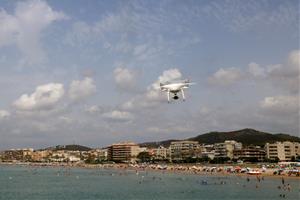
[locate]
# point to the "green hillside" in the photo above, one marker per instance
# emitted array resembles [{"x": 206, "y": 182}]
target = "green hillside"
[
  {"x": 71, "y": 147},
  {"x": 246, "y": 136}
]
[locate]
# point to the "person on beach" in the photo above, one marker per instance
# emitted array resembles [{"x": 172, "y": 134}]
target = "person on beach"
[
  {"x": 258, "y": 178},
  {"x": 282, "y": 181},
  {"x": 279, "y": 187}
]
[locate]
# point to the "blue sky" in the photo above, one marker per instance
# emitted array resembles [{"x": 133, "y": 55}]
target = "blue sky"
[{"x": 87, "y": 71}]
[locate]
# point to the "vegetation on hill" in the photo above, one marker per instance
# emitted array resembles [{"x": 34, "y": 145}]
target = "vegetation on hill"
[
  {"x": 246, "y": 136},
  {"x": 71, "y": 147}
]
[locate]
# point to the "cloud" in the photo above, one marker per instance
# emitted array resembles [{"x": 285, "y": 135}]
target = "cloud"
[
  {"x": 24, "y": 27},
  {"x": 125, "y": 78},
  {"x": 225, "y": 77},
  {"x": 294, "y": 60},
  {"x": 44, "y": 97},
  {"x": 168, "y": 75},
  {"x": 117, "y": 115},
  {"x": 129, "y": 29},
  {"x": 4, "y": 114},
  {"x": 280, "y": 113},
  {"x": 80, "y": 89},
  {"x": 286, "y": 75},
  {"x": 94, "y": 109},
  {"x": 256, "y": 70},
  {"x": 240, "y": 16},
  {"x": 278, "y": 105}
]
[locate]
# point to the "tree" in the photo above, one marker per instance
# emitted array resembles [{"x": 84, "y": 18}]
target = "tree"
[
  {"x": 293, "y": 159},
  {"x": 144, "y": 156},
  {"x": 91, "y": 159}
]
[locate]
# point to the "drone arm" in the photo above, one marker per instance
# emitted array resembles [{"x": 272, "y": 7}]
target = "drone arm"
[{"x": 182, "y": 93}]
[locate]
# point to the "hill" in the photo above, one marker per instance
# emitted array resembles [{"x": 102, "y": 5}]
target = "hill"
[
  {"x": 246, "y": 136},
  {"x": 71, "y": 147}
]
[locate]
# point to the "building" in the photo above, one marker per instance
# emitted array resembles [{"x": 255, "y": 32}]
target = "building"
[
  {"x": 284, "y": 151},
  {"x": 17, "y": 155},
  {"x": 98, "y": 154},
  {"x": 207, "y": 151},
  {"x": 251, "y": 153},
  {"x": 123, "y": 152},
  {"x": 225, "y": 149},
  {"x": 161, "y": 153},
  {"x": 181, "y": 150},
  {"x": 41, "y": 156}
]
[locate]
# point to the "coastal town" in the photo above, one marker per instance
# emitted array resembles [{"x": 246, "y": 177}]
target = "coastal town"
[{"x": 185, "y": 151}]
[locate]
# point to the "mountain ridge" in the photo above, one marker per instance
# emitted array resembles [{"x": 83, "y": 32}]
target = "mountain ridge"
[
  {"x": 246, "y": 136},
  {"x": 70, "y": 147}
]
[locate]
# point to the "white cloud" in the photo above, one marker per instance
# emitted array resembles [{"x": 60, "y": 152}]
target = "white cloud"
[
  {"x": 80, "y": 89},
  {"x": 125, "y": 78},
  {"x": 294, "y": 60},
  {"x": 4, "y": 114},
  {"x": 168, "y": 75},
  {"x": 66, "y": 120},
  {"x": 225, "y": 77},
  {"x": 255, "y": 70},
  {"x": 280, "y": 104},
  {"x": 94, "y": 109},
  {"x": 23, "y": 28},
  {"x": 286, "y": 75},
  {"x": 44, "y": 97},
  {"x": 117, "y": 115}
]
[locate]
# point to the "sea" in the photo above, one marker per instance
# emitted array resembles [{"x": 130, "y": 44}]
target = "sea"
[{"x": 43, "y": 183}]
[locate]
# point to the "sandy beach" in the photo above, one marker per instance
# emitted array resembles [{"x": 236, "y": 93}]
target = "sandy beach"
[{"x": 197, "y": 169}]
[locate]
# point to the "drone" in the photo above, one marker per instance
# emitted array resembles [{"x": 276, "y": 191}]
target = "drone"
[{"x": 175, "y": 88}]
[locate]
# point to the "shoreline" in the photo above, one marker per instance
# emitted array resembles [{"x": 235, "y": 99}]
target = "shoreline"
[{"x": 171, "y": 168}]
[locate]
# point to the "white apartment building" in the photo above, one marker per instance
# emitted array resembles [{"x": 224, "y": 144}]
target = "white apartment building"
[
  {"x": 225, "y": 149},
  {"x": 207, "y": 151},
  {"x": 184, "y": 149},
  {"x": 282, "y": 150},
  {"x": 161, "y": 153}
]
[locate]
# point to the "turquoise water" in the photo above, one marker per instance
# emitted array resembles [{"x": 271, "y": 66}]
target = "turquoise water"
[{"x": 20, "y": 183}]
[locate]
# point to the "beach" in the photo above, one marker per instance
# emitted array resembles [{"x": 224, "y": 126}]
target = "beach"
[{"x": 196, "y": 169}]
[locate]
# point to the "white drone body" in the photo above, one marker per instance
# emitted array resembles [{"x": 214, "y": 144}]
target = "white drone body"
[{"x": 175, "y": 88}]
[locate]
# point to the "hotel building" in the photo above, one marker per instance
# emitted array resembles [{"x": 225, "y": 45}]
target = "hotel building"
[
  {"x": 184, "y": 149},
  {"x": 251, "y": 153},
  {"x": 123, "y": 152},
  {"x": 225, "y": 149},
  {"x": 284, "y": 151}
]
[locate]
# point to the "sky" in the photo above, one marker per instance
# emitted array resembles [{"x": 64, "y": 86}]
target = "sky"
[{"x": 88, "y": 72}]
